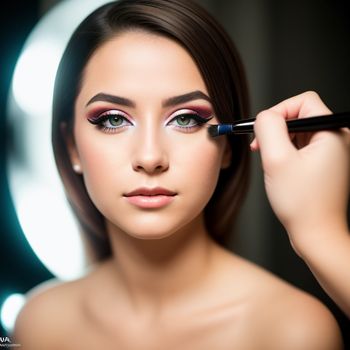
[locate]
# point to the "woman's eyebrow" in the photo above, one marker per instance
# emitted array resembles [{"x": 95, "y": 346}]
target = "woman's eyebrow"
[
  {"x": 194, "y": 95},
  {"x": 171, "y": 101},
  {"x": 113, "y": 99}
]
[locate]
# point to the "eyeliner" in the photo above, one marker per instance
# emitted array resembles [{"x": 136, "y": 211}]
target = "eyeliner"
[{"x": 246, "y": 126}]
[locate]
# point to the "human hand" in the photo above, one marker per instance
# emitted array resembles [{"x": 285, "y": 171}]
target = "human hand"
[{"x": 306, "y": 175}]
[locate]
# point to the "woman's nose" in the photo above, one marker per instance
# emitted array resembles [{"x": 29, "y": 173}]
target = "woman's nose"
[{"x": 150, "y": 154}]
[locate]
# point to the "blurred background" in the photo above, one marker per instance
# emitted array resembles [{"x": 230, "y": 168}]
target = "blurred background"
[{"x": 287, "y": 46}]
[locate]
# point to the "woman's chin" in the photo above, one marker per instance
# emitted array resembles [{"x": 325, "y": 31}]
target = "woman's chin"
[
  {"x": 144, "y": 231},
  {"x": 150, "y": 235},
  {"x": 154, "y": 227}
]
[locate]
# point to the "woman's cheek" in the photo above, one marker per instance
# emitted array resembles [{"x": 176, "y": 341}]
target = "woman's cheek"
[
  {"x": 100, "y": 163},
  {"x": 202, "y": 164}
]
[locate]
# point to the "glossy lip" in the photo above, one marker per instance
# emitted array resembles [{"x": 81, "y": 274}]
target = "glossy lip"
[{"x": 150, "y": 198}]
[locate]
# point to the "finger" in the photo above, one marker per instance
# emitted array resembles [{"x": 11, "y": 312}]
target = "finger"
[
  {"x": 307, "y": 104},
  {"x": 254, "y": 146},
  {"x": 272, "y": 136},
  {"x": 303, "y": 105}
]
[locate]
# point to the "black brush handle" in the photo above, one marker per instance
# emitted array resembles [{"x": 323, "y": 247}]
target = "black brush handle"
[{"x": 327, "y": 122}]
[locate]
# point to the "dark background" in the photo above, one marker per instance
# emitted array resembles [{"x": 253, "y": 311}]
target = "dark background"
[{"x": 288, "y": 47}]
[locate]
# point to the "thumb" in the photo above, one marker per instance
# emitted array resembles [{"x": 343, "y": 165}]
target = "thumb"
[{"x": 272, "y": 136}]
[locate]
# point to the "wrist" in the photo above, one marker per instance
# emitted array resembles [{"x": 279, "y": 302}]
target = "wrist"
[{"x": 321, "y": 237}]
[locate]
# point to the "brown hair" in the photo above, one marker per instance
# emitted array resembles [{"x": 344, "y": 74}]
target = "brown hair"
[{"x": 217, "y": 60}]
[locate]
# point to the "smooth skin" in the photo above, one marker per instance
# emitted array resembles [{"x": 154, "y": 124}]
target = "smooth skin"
[
  {"x": 311, "y": 172},
  {"x": 168, "y": 285}
]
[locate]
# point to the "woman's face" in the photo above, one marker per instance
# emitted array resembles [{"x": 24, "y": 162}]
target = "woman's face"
[{"x": 140, "y": 136}]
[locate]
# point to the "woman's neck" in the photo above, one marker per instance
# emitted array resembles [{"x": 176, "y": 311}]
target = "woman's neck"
[{"x": 158, "y": 273}]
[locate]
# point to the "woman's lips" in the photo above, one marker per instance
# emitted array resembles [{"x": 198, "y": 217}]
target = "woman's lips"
[{"x": 150, "y": 198}]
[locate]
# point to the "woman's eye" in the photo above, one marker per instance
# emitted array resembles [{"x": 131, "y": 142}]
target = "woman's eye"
[
  {"x": 114, "y": 121},
  {"x": 188, "y": 121},
  {"x": 185, "y": 120},
  {"x": 111, "y": 121}
]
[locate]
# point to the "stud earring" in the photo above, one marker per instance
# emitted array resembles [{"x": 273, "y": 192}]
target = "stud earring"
[{"x": 77, "y": 168}]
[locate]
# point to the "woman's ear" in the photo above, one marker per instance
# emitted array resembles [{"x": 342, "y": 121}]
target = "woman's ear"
[
  {"x": 71, "y": 147},
  {"x": 227, "y": 156}
]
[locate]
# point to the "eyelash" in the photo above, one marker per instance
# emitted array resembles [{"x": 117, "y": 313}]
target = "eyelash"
[
  {"x": 113, "y": 114},
  {"x": 199, "y": 120},
  {"x": 107, "y": 117}
]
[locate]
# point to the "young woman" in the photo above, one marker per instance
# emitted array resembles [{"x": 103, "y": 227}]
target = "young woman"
[{"x": 156, "y": 195}]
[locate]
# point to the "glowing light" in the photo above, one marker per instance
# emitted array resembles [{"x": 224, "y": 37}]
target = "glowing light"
[
  {"x": 39, "y": 211},
  {"x": 10, "y": 309},
  {"x": 37, "y": 192},
  {"x": 34, "y": 77}
]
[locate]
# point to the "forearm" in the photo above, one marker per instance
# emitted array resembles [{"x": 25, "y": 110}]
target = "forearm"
[{"x": 329, "y": 260}]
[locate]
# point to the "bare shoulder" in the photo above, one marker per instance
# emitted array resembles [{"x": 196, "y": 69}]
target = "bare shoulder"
[
  {"x": 298, "y": 319},
  {"x": 304, "y": 322},
  {"x": 50, "y": 312},
  {"x": 281, "y": 315}
]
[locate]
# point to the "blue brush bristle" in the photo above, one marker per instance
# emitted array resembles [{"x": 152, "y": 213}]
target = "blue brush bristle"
[
  {"x": 218, "y": 130},
  {"x": 224, "y": 129}
]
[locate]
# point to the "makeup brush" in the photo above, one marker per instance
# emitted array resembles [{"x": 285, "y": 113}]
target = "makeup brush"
[{"x": 246, "y": 126}]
